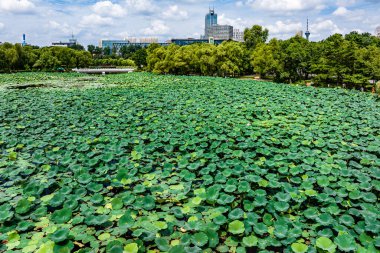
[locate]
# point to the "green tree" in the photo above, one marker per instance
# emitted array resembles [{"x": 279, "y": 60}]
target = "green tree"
[
  {"x": 267, "y": 60},
  {"x": 139, "y": 58},
  {"x": 255, "y": 35}
]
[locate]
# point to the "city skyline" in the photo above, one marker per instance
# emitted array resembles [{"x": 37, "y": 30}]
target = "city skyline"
[{"x": 44, "y": 22}]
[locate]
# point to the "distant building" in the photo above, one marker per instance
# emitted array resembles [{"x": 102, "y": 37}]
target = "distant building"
[
  {"x": 211, "y": 19},
  {"x": 142, "y": 40},
  {"x": 238, "y": 35},
  {"x": 299, "y": 33},
  {"x": 377, "y": 32},
  {"x": 213, "y": 30},
  {"x": 118, "y": 44},
  {"x": 189, "y": 41},
  {"x": 220, "y": 32},
  {"x": 24, "y": 40},
  {"x": 72, "y": 42}
]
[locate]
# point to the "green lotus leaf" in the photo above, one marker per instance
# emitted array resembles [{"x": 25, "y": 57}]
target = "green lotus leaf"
[
  {"x": 236, "y": 227},
  {"x": 281, "y": 206},
  {"x": 162, "y": 244},
  {"x": 25, "y": 226},
  {"x": 220, "y": 220},
  {"x": 177, "y": 249},
  {"x": 160, "y": 225},
  {"x": 283, "y": 197},
  {"x": 299, "y": 247},
  {"x": 139, "y": 188},
  {"x": 117, "y": 203},
  {"x": 71, "y": 203},
  {"x": 57, "y": 200},
  {"x": 60, "y": 235},
  {"x": 325, "y": 219},
  {"x": 345, "y": 243},
  {"x": 97, "y": 198},
  {"x": 5, "y": 212},
  {"x": 131, "y": 248},
  {"x": 94, "y": 187},
  {"x": 250, "y": 241},
  {"x": 62, "y": 216},
  {"x": 230, "y": 188},
  {"x": 84, "y": 178},
  {"x": 236, "y": 214},
  {"x": 126, "y": 221},
  {"x": 260, "y": 228},
  {"x": 23, "y": 206},
  {"x": 325, "y": 243},
  {"x": 199, "y": 239},
  {"x": 213, "y": 238},
  {"x": 346, "y": 220},
  {"x": 369, "y": 197},
  {"x": 311, "y": 213},
  {"x": 114, "y": 247},
  {"x": 96, "y": 219},
  {"x": 148, "y": 203}
]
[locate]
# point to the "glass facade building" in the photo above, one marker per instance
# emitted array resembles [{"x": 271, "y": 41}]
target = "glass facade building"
[{"x": 210, "y": 20}]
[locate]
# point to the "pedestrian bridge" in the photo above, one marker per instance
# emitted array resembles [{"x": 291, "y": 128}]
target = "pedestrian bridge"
[{"x": 104, "y": 71}]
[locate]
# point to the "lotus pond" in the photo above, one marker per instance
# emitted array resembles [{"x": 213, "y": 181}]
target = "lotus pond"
[{"x": 188, "y": 164}]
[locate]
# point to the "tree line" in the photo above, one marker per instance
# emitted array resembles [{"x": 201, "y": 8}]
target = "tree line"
[
  {"x": 351, "y": 61},
  {"x": 14, "y": 57}
]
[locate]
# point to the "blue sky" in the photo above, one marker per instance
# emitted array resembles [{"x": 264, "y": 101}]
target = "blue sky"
[{"x": 91, "y": 20}]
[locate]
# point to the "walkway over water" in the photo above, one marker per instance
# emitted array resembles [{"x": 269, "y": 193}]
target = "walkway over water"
[{"x": 104, "y": 71}]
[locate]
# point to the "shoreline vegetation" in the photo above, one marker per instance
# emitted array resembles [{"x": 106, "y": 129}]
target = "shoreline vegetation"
[{"x": 351, "y": 61}]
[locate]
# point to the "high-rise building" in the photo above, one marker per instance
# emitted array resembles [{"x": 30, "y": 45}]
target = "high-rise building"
[
  {"x": 215, "y": 31},
  {"x": 211, "y": 19},
  {"x": 238, "y": 35},
  {"x": 377, "y": 32},
  {"x": 307, "y": 33}
]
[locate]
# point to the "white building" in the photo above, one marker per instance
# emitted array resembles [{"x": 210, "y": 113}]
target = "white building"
[
  {"x": 238, "y": 35},
  {"x": 377, "y": 32}
]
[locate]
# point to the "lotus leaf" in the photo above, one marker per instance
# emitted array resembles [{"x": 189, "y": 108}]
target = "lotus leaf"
[
  {"x": 236, "y": 227},
  {"x": 131, "y": 248},
  {"x": 62, "y": 216},
  {"x": 60, "y": 235},
  {"x": 250, "y": 241},
  {"x": 325, "y": 243},
  {"x": 345, "y": 243},
  {"x": 199, "y": 239}
]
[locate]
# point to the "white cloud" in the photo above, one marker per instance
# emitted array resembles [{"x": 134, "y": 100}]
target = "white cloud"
[
  {"x": 287, "y": 5},
  {"x": 17, "y": 6},
  {"x": 95, "y": 20},
  {"x": 284, "y": 27},
  {"x": 1, "y": 26},
  {"x": 108, "y": 9},
  {"x": 175, "y": 13},
  {"x": 341, "y": 11},
  {"x": 238, "y": 23},
  {"x": 325, "y": 26},
  {"x": 157, "y": 27},
  {"x": 141, "y": 6}
]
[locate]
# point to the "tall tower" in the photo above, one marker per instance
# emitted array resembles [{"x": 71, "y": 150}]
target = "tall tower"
[
  {"x": 23, "y": 40},
  {"x": 307, "y": 33},
  {"x": 210, "y": 20}
]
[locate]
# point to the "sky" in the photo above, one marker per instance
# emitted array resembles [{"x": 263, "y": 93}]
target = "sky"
[{"x": 47, "y": 21}]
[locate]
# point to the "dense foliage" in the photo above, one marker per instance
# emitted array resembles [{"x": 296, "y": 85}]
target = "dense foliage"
[
  {"x": 350, "y": 61},
  {"x": 189, "y": 164},
  {"x": 18, "y": 58}
]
